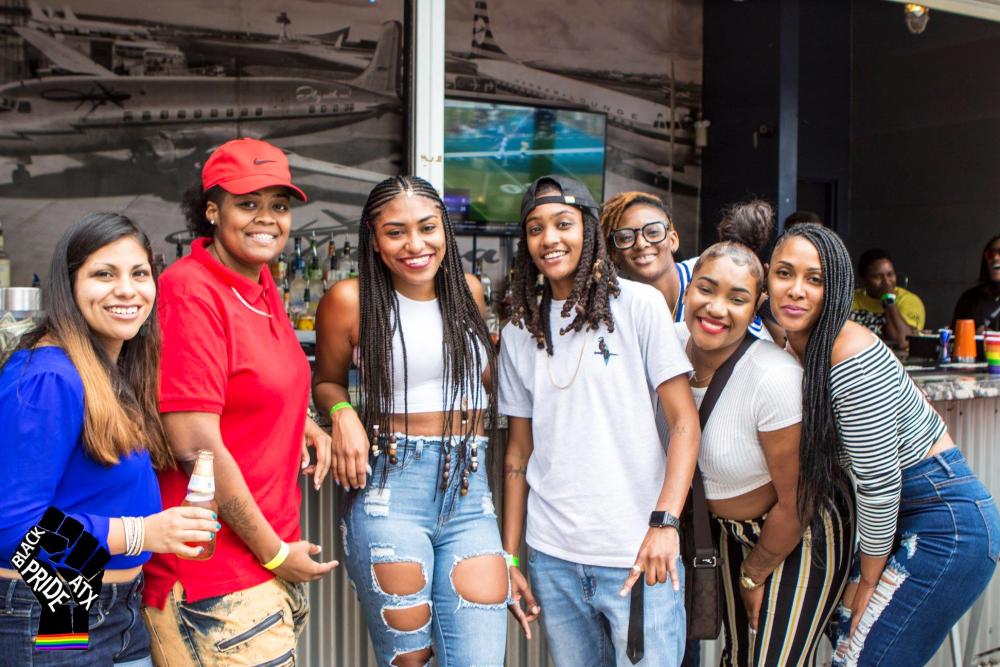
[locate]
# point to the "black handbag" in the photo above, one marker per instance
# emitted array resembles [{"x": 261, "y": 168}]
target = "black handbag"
[{"x": 702, "y": 577}]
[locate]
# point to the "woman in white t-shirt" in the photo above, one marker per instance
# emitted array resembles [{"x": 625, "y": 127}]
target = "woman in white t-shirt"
[
  {"x": 582, "y": 364},
  {"x": 782, "y": 576}
]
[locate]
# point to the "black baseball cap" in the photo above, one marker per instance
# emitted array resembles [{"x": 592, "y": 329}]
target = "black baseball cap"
[{"x": 573, "y": 192}]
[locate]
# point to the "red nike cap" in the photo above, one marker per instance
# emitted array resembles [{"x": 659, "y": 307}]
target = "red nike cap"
[{"x": 246, "y": 165}]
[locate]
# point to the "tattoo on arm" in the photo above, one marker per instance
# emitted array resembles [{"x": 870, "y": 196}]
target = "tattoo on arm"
[
  {"x": 512, "y": 472},
  {"x": 236, "y": 513}
]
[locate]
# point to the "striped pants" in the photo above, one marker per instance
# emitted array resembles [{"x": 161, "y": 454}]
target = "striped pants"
[{"x": 799, "y": 596}]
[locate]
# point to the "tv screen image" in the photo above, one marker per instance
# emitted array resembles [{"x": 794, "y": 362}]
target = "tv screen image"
[{"x": 494, "y": 151}]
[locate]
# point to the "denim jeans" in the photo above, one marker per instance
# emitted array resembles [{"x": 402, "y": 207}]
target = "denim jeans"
[
  {"x": 257, "y": 626},
  {"x": 947, "y": 546},
  {"x": 409, "y": 519},
  {"x": 117, "y": 635},
  {"x": 586, "y": 620}
]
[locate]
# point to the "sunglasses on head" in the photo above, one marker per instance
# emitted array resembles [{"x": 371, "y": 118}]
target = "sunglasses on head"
[{"x": 654, "y": 232}]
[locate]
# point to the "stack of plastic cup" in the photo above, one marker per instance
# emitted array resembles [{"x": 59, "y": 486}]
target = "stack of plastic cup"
[
  {"x": 991, "y": 345},
  {"x": 965, "y": 341}
]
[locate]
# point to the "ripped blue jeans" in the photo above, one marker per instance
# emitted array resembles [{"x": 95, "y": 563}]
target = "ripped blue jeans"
[
  {"x": 410, "y": 520},
  {"x": 947, "y": 545}
]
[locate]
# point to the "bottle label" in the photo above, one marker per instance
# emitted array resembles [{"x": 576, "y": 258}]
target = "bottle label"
[
  {"x": 201, "y": 485},
  {"x": 4, "y": 272}
]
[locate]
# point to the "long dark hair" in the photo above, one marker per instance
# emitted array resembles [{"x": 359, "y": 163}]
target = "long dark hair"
[
  {"x": 121, "y": 409},
  {"x": 596, "y": 281},
  {"x": 820, "y": 472},
  {"x": 466, "y": 338}
]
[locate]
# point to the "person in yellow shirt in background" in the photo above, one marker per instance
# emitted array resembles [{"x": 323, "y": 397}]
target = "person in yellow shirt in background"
[{"x": 891, "y": 312}]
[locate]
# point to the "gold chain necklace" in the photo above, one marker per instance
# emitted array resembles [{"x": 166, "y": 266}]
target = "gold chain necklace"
[
  {"x": 579, "y": 361},
  {"x": 694, "y": 380}
]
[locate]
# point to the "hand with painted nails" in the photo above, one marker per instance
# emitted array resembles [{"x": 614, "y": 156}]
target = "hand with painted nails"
[
  {"x": 349, "y": 449},
  {"x": 300, "y": 566},
  {"x": 317, "y": 438},
  {"x": 657, "y": 558},
  {"x": 521, "y": 590},
  {"x": 171, "y": 530}
]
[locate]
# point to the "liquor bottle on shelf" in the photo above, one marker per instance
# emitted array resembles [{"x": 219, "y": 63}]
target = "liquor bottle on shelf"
[
  {"x": 315, "y": 275},
  {"x": 330, "y": 265},
  {"x": 178, "y": 250},
  {"x": 298, "y": 289},
  {"x": 298, "y": 261},
  {"x": 4, "y": 262},
  {"x": 201, "y": 493},
  {"x": 352, "y": 270},
  {"x": 307, "y": 319}
]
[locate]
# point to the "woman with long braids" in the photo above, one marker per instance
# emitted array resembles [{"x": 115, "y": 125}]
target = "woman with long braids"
[
  {"x": 782, "y": 578},
  {"x": 420, "y": 533},
  {"x": 583, "y": 360},
  {"x": 927, "y": 526}
]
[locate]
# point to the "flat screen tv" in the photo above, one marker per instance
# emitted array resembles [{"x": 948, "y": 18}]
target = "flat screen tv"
[{"x": 494, "y": 151}]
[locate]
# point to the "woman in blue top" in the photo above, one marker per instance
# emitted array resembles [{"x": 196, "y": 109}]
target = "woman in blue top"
[{"x": 81, "y": 434}]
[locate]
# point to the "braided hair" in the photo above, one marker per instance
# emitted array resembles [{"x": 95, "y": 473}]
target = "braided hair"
[
  {"x": 820, "y": 472},
  {"x": 467, "y": 346},
  {"x": 595, "y": 282}
]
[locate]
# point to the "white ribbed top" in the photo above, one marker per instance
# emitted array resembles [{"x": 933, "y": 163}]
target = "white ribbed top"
[{"x": 763, "y": 394}]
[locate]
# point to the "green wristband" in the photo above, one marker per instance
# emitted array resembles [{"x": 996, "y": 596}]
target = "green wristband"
[
  {"x": 512, "y": 561},
  {"x": 340, "y": 406}
]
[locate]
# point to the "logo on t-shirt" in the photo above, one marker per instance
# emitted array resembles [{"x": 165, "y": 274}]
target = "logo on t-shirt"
[
  {"x": 604, "y": 350},
  {"x": 63, "y": 566}
]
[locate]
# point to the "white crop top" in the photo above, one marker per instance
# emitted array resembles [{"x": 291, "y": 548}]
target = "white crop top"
[
  {"x": 423, "y": 332},
  {"x": 764, "y": 393}
]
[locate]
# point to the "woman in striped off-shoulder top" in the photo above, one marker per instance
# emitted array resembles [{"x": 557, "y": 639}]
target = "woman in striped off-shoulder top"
[{"x": 929, "y": 531}]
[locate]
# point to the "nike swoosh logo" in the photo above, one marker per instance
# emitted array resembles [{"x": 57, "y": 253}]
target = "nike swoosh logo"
[{"x": 259, "y": 161}]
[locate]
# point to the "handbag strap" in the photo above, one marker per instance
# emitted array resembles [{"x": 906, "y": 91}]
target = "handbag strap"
[{"x": 704, "y": 548}]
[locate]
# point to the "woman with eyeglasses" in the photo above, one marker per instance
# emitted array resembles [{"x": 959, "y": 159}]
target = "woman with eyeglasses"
[
  {"x": 643, "y": 239},
  {"x": 981, "y": 303}
]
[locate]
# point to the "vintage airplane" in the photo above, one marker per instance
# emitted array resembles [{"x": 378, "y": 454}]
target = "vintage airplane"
[
  {"x": 168, "y": 117},
  {"x": 66, "y": 22},
  {"x": 640, "y": 127}
]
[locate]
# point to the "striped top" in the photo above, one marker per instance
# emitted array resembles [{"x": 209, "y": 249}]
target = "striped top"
[{"x": 885, "y": 426}]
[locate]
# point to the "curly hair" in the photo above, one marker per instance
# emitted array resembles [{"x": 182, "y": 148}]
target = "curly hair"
[
  {"x": 193, "y": 204},
  {"x": 614, "y": 209},
  {"x": 749, "y": 223},
  {"x": 594, "y": 284}
]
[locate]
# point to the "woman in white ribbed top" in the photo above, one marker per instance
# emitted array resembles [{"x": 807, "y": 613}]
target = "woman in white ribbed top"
[
  {"x": 778, "y": 595},
  {"x": 929, "y": 530}
]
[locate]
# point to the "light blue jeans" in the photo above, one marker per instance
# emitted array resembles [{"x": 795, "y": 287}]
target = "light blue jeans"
[
  {"x": 586, "y": 621},
  {"x": 409, "y": 519}
]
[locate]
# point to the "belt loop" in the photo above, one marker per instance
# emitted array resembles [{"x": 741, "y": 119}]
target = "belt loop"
[
  {"x": 114, "y": 595},
  {"x": 944, "y": 464},
  {"x": 9, "y": 598},
  {"x": 419, "y": 442}
]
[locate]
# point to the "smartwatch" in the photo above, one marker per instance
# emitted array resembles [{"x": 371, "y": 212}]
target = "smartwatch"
[{"x": 664, "y": 520}]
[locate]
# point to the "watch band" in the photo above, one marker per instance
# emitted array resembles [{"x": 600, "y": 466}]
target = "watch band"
[{"x": 659, "y": 519}]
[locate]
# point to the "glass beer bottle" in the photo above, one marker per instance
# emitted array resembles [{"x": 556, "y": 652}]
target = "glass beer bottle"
[{"x": 201, "y": 493}]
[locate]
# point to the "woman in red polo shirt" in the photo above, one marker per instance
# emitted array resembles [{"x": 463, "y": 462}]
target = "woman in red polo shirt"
[{"x": 236, "y": 382}]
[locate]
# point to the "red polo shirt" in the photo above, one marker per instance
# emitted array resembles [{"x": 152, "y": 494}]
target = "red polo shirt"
[{"x": 229, "y": 349}]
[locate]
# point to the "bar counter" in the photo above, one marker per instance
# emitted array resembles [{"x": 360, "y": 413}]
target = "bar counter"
[{"x": 968, "y": 398}]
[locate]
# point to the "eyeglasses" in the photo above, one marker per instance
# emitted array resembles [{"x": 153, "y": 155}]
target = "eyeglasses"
[
  {"x": 991, "y": 253},
  {"x": 624, "y": 238}
]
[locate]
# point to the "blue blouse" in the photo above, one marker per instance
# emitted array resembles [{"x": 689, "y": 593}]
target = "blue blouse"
[{"x": 45, "y": 463}]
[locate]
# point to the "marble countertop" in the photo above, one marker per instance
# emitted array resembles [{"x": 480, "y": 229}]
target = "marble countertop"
[{"x": 956, "y": 382}]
